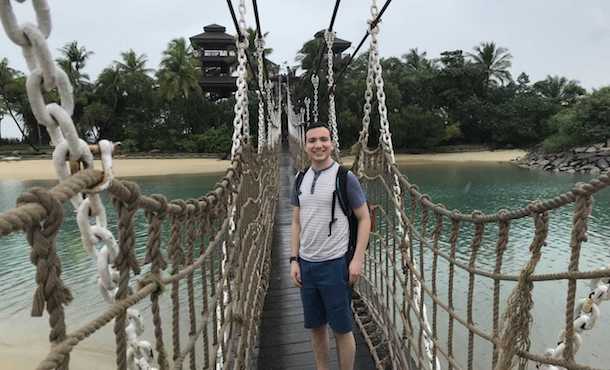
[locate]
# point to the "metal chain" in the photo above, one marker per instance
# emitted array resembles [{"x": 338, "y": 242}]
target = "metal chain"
[
  {"x": 329, "y": 37},
  {"x": 260, "y": 47},
  {"x": 385, "y": 137},
  {"x": 44, "y": 74},
  {"x": 587, "y": 313},
  {"x": 241, "y": 95},
  {"x": 278, "y": 113},
  {"x": 307, "y": 102},
  {"x": 368, "y": 96},
  {"x": 315, "y": 80},
  {"x": 270, "y": 118}
]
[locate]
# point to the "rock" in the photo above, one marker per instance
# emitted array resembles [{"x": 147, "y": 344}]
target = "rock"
[
  {"x": 571, "y": 170},
  {"x": 603, "y": 163},
  {"x": 592, "y": 149},
  {"x": 579, "y": 150},
  {"x": 595, "y": 171}
]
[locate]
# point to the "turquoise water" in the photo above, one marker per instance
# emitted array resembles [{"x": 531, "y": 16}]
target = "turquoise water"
[{"x": 486, "y": 187}]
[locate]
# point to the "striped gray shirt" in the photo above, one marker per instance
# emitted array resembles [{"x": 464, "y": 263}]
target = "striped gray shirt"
[{"x": 314, "y": 201}]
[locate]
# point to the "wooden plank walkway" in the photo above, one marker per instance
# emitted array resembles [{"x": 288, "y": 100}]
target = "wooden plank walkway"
[{"x": 284, "y": 343}]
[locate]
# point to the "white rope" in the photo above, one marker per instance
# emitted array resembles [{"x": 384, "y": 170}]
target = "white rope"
[
  {"x": 260, "y": 47},
  {"x": 241, "y": 95},
  {"x": 587, "y": 313},
  {"x": 315, "y": 80},
  {"x": 58, "y": 121},
  {"x": 329, "y": 37}
]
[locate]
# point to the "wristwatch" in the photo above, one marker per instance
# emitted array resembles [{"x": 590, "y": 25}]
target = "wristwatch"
[{"x": 293, "y": 259}]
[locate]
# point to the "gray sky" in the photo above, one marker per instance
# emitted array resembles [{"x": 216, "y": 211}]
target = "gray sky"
[{"x": 564, "y": 37}]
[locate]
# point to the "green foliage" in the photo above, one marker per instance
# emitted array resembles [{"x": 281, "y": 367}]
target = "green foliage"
[
  {"x": 215, "y": 140},
  {"x": 456, "y": 99},
  {"x": 414, "y": 127},
  {"x": 586, "y": 122}
]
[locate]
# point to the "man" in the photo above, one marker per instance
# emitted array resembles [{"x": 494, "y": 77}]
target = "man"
[{"x": 319, "y": 244}]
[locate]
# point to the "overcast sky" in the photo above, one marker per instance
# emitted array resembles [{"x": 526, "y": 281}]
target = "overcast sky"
[{"x": 560, "y": 37}]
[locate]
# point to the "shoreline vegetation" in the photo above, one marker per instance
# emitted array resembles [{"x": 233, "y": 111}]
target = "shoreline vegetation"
[{"x": 42, "y": 169}]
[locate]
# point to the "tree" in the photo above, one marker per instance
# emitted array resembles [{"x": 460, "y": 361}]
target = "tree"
[
  {"x": 495, "y": 61},
  {"x": 14, "y": 102},
  {"x": 418, "y": 62},
  {"x": 179, "y": 72},
  {"x": 73, "y": 60},
  {"x": 559, "y": 89},
  {"x": 132, "y": 63}
]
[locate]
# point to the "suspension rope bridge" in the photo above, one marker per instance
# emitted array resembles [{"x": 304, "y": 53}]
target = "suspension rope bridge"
[{"x": 220, "y": 244}]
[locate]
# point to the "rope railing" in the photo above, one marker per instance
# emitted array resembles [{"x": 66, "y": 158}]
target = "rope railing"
[
  {"x": 232, "y": 295},
  {"x": 423, "y": 244}
]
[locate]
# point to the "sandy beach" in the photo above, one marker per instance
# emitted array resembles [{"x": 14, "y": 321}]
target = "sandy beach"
[{"x": 43, "y": 170}]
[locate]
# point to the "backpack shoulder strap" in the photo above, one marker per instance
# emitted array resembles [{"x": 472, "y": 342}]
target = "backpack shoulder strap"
[
  {"x": 298, "y": 181},
  {"x": 341, "y": 189}
]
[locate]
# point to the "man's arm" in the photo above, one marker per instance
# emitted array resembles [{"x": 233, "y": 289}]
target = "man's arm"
[
  {"x": 364, "y": 229},
  {"x": 295, "y": 270}
]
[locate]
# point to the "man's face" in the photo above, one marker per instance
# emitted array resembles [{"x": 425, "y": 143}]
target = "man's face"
[{"x": 318, "y": 144}]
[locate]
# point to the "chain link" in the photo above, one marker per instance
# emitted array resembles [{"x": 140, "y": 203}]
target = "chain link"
[
  {"x": 315, "y": 80},
  {"x": 260, "y": 47},
  {"x": 44, "y": 74},
  {"x": 329, "y": 37},
  {"x": 587, "y": 313},
  {"x": 270, "y": 117},
  {"x": 307, "y": 101},
  {"x": 241, "y": 95}
]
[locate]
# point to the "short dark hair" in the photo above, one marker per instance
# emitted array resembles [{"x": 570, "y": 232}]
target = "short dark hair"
[{"x": 313, "y": 125}]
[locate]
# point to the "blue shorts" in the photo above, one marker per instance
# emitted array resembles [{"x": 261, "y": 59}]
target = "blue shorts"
[{"x": 326, "y": 294}]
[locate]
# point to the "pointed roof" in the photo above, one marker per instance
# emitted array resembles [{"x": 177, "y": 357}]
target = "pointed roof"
[{"x": 214, "y": 35}]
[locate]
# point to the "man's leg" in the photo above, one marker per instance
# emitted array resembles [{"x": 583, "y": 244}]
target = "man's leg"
[
  {"x": 319, "y": 340},
  {"x": 346, "y": 350}
]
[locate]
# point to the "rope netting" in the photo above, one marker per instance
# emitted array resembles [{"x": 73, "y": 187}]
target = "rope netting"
[
  {"x": 418, "y": 303},
  {"x": 219, "y": 244},
  {"x": 230, "y": 262},
  {"x": 414, "y": 235}
]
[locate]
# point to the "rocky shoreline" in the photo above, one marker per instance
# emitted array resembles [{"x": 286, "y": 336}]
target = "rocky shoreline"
[{"x": 593, "y": 159}]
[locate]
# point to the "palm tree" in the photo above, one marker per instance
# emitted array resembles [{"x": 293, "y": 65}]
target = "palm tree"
[
  {"x": 73, "y": 60},
  {"x": 132, "y": 63},
  {"x": 179, "y": 72},
  {"x": 494, "y": 60},
  {"x": 559, "y": 89},
  {"x": 418, "y": 62},
  {"x": 252, "y": 35}
]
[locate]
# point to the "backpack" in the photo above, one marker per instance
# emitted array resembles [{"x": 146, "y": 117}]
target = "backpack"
[{"x": 340, "y": 194}]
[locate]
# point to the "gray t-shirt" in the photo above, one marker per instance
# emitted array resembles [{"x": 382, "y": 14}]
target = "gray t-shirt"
[{"x": 314, "y": 202}]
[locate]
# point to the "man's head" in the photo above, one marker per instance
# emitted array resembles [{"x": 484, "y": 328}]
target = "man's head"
[{"x": 318, "y": 142}]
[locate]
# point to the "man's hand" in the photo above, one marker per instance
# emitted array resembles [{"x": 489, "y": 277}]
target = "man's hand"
[
  {"x": 355, "y": 270},
  {"x": 295, "y": 274}
]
